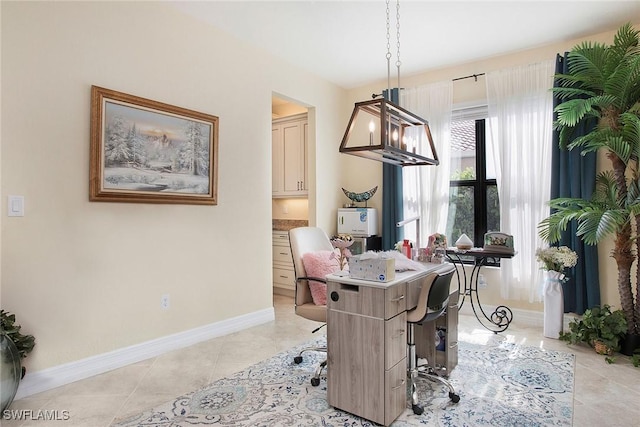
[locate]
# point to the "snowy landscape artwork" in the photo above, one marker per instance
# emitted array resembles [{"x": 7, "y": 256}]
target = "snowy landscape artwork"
[{"x": 146, "y": 151}]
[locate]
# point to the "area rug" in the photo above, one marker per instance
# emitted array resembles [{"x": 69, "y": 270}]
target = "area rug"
[{"x": 499, "y": 385}]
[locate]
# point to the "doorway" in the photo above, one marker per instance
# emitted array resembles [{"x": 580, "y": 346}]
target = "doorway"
[{"x": 290, "y": 184}]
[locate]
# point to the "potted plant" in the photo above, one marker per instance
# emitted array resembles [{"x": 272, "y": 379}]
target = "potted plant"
[
  {"x": 599, "y": 327},
  {"x": 604, "y": 82},
  {"x": 14, "y": 346}
]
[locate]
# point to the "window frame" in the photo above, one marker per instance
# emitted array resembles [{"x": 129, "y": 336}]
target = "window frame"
[{"x": 481, "y": 183}]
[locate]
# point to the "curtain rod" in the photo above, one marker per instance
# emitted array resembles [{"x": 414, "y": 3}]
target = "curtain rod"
[{"x": 475, "y": 76}]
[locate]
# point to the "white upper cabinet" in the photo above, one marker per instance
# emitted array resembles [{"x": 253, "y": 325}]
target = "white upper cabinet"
[{"x": 289, "y": 154}]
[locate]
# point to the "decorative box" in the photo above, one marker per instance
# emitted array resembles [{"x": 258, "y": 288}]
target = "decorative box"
[
  {"x": 372, "y": 266},
  {"x": 495, "y": 241}
]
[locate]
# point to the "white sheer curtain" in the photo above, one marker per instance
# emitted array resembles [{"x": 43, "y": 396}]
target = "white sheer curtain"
[
  {"x": 520, "y": 128},
  {"x": 426, "y": 188}
]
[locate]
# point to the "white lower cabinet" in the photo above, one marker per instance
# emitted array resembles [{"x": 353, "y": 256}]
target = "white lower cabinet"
[{"x": 284, "y": 277}]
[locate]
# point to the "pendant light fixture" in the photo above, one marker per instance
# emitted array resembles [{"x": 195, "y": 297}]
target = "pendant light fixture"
[{"x": 384, "y": 131}]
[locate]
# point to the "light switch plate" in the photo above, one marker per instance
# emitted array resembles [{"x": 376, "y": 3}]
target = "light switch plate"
[{"x": 15, "y": 205}]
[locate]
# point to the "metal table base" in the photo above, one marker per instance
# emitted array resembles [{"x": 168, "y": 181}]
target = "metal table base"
[{"x": 501, "y": 318}]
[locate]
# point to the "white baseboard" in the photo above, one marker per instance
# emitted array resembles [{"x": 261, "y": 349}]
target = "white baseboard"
[
  {"x": 36, "y": 382},
  {"x": 520, "y": 317}
]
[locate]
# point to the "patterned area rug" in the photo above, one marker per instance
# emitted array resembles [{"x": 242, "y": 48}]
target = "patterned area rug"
[{"x": 499, "y": 385}]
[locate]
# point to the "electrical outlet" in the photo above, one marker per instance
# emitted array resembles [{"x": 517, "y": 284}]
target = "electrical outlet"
[{"x": 164, "y": 302}]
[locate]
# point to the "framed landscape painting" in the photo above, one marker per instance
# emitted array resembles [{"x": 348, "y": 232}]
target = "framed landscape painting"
[{"x": 144, "y": 151}]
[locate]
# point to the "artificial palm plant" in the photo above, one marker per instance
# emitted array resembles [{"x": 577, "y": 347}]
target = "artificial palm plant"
[{"x": 603, "y": 82}]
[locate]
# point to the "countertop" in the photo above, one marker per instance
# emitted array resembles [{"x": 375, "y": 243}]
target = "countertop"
[{"x": 288, "y": 224}]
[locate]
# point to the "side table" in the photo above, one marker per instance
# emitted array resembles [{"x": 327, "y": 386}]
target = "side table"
[{"x": 501, "y": 318}]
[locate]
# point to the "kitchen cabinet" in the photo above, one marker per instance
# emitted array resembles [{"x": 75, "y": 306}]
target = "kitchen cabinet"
[
  {"x": 284, "y": 277},
  {"x": 289, "y": 154}
]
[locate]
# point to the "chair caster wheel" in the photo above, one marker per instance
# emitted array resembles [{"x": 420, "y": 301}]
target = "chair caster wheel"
[
  {"x": 417, "y": 409},
  {"x": 315, "y": 382},
  {"x": 454, "y": 397},
  {"x": 297, "y": 360}
]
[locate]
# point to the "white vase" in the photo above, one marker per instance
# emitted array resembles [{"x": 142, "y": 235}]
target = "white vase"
[{"x": 553, "y": 304}]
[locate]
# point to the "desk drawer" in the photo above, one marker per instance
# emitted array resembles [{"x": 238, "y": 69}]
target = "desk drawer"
[
  {"x": 282, "y": 254},
  {"x": 395, "y": 300},
  {"x": 280, "y": 238},
  {"x": 395, "y": 336},
  {"x": 284, "y": 277},
  {"x": 396, "y": 391},
  {"x": 380, "y": 303}
]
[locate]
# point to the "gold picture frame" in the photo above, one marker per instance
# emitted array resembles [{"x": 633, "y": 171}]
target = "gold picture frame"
[{"x": 145, "y": 151}]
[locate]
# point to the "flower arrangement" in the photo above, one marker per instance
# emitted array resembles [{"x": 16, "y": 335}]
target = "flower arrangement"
[
  {"x": 405, "y": 247},
  {"x": 557, "y": 259},
  {"x": 398, "y": 246},
  {"x": 438, "y": 240},
  {"x": 342, "y": 243}
]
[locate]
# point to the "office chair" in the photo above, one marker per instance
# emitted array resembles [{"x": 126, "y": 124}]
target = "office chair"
[
  {"x": 432, "y": 303},
  {"x": 302, "y": 241}
]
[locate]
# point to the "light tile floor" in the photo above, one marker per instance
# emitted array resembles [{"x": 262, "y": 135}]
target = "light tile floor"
[{"x": 604, "y": 395}]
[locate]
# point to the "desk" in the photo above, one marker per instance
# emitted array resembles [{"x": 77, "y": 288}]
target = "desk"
[
  {"x": 367, "y": 343},
  {"x": 502, "y": 316}
]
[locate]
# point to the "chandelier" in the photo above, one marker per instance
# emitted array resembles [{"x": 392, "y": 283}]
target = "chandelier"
[{"x": 384, "y": 131}]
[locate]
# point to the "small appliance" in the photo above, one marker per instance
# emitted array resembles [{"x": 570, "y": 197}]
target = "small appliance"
[{"x": 358, "y": 221}]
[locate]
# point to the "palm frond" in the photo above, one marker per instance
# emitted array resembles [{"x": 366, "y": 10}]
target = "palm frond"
[
  {"x": 624, "y": 82},
  {"x": 571, "y": 204},
  {"x": 620, "y": 147},
  {"x": 631, "y": 131},
  {"x": 595, "y": 220},
  {"x": 633, "y": 195},
  {"x": 624, "y": 41},
  {"x": 592, "y": 141},
  {"x": 606, "y": 191},
  {"x": 595, "y": 224},
  {"x": 634, "y": 209},
  {"x": 604, "y": 101},
  {"x": 571, "y": 92},
  {"x": 587, "y": 63},
  {"x": 572, "y": 111},
  {"x": 550, "y": 229},
  {"x": 565, "y": 80},
  {"x": 564, "y": 135}
]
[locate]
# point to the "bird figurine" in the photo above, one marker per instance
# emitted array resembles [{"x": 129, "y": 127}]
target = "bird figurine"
[{"x": 360, "y": 197}]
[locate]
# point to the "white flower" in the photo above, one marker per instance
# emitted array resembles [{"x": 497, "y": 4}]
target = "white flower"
[
  {"x": 398, "y": 246},
  {"x": 556, "y": 258}
]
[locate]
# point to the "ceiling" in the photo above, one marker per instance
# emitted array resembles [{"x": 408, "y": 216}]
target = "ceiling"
[{"x": 345, "y": 41}]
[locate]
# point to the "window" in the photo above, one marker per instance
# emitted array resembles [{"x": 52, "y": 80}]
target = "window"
[{"x": 474, "y": 208}]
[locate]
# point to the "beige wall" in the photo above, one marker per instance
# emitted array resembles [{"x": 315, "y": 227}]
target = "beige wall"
[
  {"x": 86, "y": 278},
  {"x": 360, "y": 174},
  {"x": 293, "y": 208}
]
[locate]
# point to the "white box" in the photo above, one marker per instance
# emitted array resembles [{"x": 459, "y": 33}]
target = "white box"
[
  {"x": 358, "y": 221},
  {"x": 377, "y": 268}
]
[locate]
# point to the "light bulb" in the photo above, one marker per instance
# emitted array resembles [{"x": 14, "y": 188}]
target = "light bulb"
[{"x": 372, "y": 127}]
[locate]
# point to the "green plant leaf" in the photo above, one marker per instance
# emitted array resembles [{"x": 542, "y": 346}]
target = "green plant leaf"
[
  {"x": 571, "y": 112},
  {"x": 24, "y": 343}
]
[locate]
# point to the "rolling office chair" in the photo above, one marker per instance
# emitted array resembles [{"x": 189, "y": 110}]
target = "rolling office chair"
[
  {"x": 432, "y": 303},
  {"x": 302, "y": 241}
]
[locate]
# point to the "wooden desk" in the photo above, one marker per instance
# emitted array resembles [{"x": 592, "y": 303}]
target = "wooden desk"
[{"x": 367, "y": 344}]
